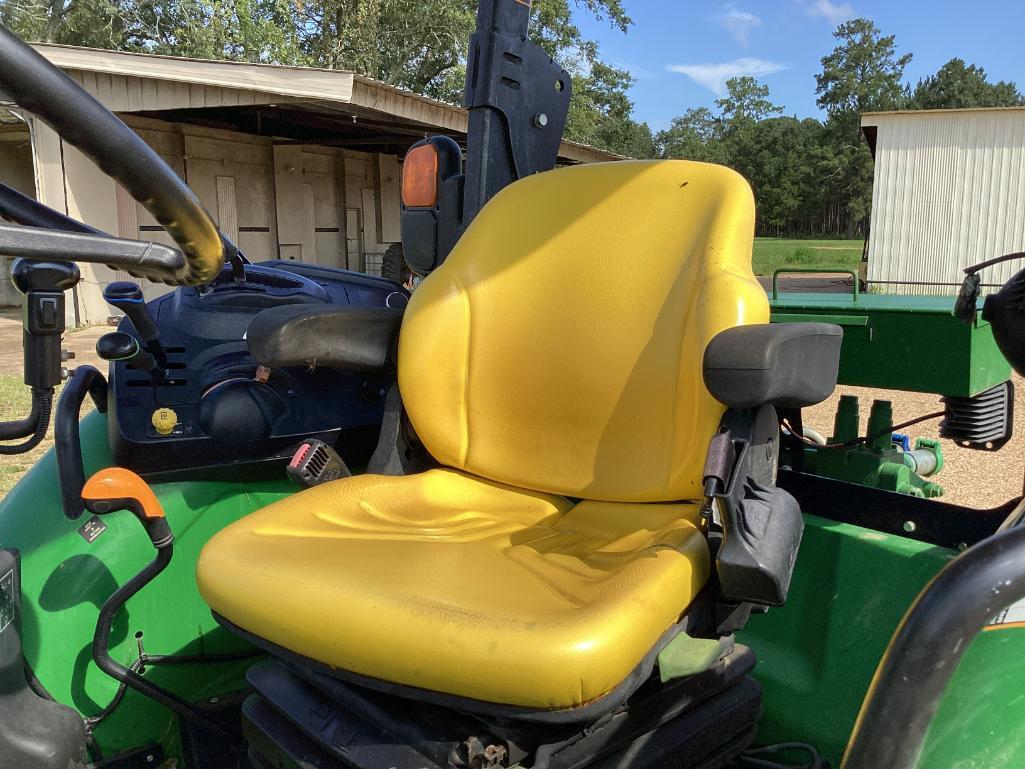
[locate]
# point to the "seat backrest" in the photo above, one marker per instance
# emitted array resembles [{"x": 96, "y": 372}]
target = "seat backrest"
[{"x": 559, "y": 347}]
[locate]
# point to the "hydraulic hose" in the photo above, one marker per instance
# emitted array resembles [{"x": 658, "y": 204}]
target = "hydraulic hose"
[
  {"x": 129, "y": 676},
  {"x": 36, "y": 423},
  {"x": 20, "y": 428}
]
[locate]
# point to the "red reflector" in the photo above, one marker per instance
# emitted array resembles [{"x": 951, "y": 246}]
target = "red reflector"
[
  {"x": 300, "y": 455},
  {"x": 420, "y": 177}
]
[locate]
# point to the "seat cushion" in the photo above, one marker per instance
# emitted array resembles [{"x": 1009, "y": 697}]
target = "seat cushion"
[{"x": 458, "y": 585}]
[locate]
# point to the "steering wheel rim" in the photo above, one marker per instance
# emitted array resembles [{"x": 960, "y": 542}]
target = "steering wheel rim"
[{"x": 37, "y": 86}]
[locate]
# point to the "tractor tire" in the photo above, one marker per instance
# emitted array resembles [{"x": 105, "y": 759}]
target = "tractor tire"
[{"x": 394, "y": 267}]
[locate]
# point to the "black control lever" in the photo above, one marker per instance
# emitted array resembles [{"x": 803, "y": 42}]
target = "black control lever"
[
  {"x": 108, "y": 491},
  {"x": 118, "y": 346},
  {"x": 127, "y": 297},
  {"x": 43, "y": 284}
]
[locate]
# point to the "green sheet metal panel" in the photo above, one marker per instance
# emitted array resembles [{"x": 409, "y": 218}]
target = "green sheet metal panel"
[
  {"x": 66, "y": 579},
  {"x": 978, "y": 725},
  {"x": 817, "y": 654},
  {"x": 903, "y": 342}
]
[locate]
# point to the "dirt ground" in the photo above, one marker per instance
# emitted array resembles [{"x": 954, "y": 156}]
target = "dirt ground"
[
  {"x": 81, "y": 341},
  {"x": 14, "y": 396},
  {"x": 976, "y": 478}
]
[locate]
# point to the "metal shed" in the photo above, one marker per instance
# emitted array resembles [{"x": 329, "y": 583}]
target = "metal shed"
[
  {"x": 293, "y": 163},
  {"x": 948, "y": 192}
]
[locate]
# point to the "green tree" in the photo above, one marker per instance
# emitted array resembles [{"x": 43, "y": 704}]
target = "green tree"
[
  {"x": 419, "y": 45},
  {"x": 414, "y": 44},
  {"x": 863, "y": 73},
  {"x": 629, "y": 138},
  {"x": 746, "y": 102},
  {"x": 241, "y": 30},
  {"x": 783, "y": 159},
  {"x": 94, "y": 23},
  {"x": 956, "y": 85},
  {"x": 600, "y": 112},
  {"x": 694, "y": 135}
]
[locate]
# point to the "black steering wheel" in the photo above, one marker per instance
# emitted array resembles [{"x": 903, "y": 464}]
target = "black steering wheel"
[{"x": 39, "y": 87}]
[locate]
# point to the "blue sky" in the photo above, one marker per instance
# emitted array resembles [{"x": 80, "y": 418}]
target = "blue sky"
[{"x": 782, "y": 42}]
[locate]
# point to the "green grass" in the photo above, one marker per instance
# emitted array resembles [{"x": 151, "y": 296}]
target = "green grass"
[
  {"x": 15, "y": 402},
  {"x": 771, "y": 254}
]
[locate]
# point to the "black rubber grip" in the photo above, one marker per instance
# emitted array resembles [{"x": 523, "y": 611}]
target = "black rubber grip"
[
  {"x": 719, "y": 460},
  {"x": 86, "y": 380},
  {"x": 39, "y": 87},
  {"x": 143, "y": 259}
]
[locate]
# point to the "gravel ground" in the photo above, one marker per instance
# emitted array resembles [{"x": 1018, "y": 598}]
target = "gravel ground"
[{"x": 981, "y": 479}]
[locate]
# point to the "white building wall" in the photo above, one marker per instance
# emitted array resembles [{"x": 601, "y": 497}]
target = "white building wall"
[{"x": 949, "y": 191}]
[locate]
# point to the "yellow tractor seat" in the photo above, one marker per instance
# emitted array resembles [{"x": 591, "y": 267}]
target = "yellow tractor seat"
[
  {"x": 553, "y": 366},
  {"x": 455, "y": 584}
]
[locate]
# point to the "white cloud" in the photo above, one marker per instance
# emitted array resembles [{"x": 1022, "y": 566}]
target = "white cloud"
[
  {"x": 739, "y": 23},
  {"x": 832, "y": 12},
  {"x": 636, "y": 70},
  {"x": 714, "y": 76}
]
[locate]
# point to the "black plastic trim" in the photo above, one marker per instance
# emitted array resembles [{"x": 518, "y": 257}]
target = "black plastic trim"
[
  {"x": 337, "y": 336},
  {"x": 589, "y": 712},
  {"x": 789, "y": 365},
  {"x": 935, "y": 522}
]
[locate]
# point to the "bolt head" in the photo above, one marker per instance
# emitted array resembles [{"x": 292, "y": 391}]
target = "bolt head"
[{"x": 540, "y": 120}]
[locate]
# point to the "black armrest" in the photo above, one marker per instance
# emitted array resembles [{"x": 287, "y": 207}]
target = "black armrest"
[
  {"x": 336, "y": 337},
  {"x": 790, "y": 365}
]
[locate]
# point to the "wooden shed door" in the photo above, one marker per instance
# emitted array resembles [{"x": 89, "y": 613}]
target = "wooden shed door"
[
  {"x": 235, "y": 181},
  {"x": 309, "y": 205}
]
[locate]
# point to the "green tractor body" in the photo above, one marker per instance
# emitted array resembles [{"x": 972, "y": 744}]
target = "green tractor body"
[{"x": 885, "y": 623}]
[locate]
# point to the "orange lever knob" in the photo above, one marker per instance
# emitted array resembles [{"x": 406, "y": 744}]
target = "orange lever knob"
[
  {"x": 114, "y": 484},
  {"x": 118, "y": 489}
]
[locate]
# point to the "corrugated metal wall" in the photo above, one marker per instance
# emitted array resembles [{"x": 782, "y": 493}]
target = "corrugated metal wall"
[{"x": 949, "y": 191}]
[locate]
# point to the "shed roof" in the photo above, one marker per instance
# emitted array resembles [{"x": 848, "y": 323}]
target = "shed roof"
[
  {"x": 870, "y": 121},
  {"x": 870, "y": 118},
  {"x": 305, "y": 104}
]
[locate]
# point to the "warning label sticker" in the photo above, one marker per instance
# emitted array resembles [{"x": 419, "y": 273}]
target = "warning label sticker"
[
  {"x": 8, "y": 600},
  {"x": 92, "y": 529}
]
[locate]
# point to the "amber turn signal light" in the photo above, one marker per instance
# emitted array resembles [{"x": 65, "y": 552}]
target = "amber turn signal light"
[{"x": 420, "y": 177}]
